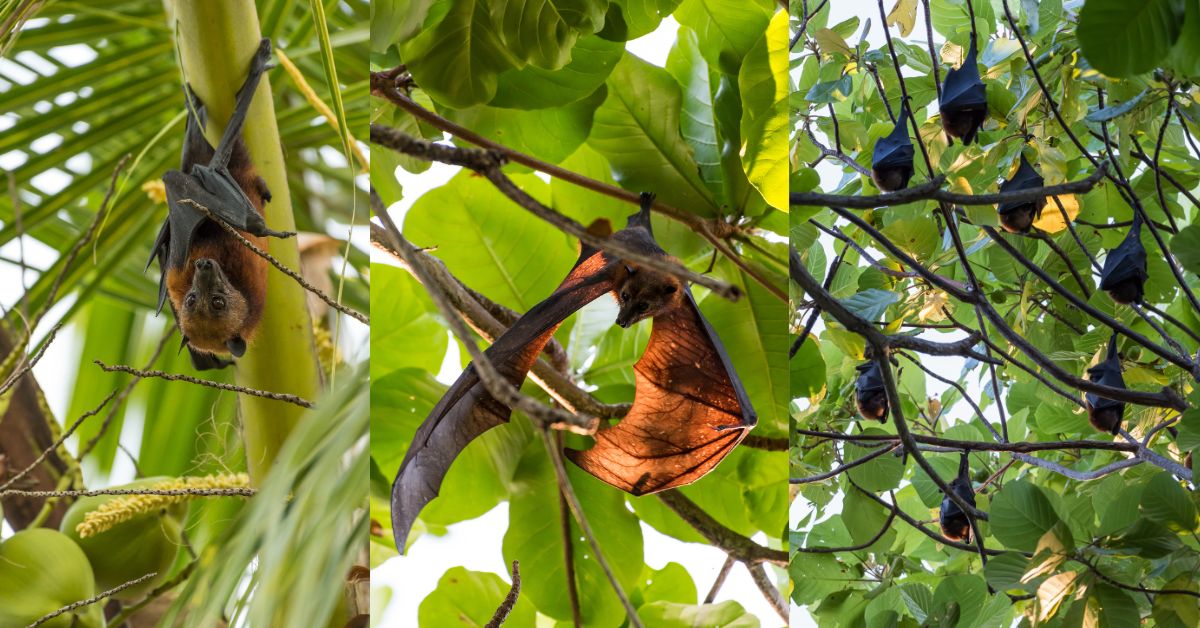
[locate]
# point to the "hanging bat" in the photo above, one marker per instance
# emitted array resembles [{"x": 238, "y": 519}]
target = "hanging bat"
[
  {"x": 869, "y": 393},
  {"x": 217, "y": 286},
  {"x": 963, "y": 104},
  {"x": 689, "y": 409},
  {"x": 1124, "y": 274},
  {"x": 1018, "y": 216},
  {"x": 1105, "y": 414},
  {"x": 953, "y": 521},
  {"x": 892, "y": 161}
]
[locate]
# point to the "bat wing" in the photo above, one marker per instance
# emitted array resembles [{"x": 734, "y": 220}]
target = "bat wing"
[
  {"x": 1107, "y": 373},
  {"x": 689, "y": 410},
  {"x": 1127, "y": 261},
  {"x": 468, "y": 410},
  {"x": 963, "y": 88},
  {"x": 895, "y": 150},
  {"x": 1025, "y": 178},
  {"x": 870, "y": 380}
]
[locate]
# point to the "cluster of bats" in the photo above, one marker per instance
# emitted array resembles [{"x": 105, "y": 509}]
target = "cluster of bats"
[{"x": 963, "y": 110}]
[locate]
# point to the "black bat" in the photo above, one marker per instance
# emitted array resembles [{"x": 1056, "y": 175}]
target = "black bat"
[
  {"x": 892, "y": 161},
  {"x": 689, "y": 408},
  {"x": 1105, "y": 414},
  {"x": 953, "y": 521},
  {"x": 1018, "y": 216},
  {"x": 1124, "y": 274},
  {"x": 869, "y": 393},
  {"x": 217, "y": 287},
  {"x": 963, "y": 104}
]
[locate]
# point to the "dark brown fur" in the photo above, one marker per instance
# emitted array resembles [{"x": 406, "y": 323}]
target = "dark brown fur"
[
  {"x": 1106, "y": 420},
  {"x": 1127, "y": 292},
  {"x": 891, "y": 179},
  {"x": 873, "y": 406},
  {"x": 643, "y": 293}
]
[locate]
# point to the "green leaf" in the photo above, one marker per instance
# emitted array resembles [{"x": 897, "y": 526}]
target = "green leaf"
[
  {"x": 880, "y": 474},
  {"x": 1165, "y": 501},
  {"x": 728, "y": 29},
  {"x": 1005, "y": 572},
  {"x": 1186, "y": 247},
  {"x": 485, "y": 239},
  {"x": 550, "y": 134},
  {"x": 763, "y": 83},
  {"x": 630, "y": 19},
  {"x": 458, "y": 59},
  {"x": 672, "y": 583},
  {"x": 394, "y": 21},
  {"x": 1020, "y": 515},
  {"x": 637, "y": 129},
  {"x": 409, "y": 334},
  {"x": 698, "y": 124},
  {"x": 807, "y": 370},
  {"x": 871, "y": 304},
  {"x": 542, "y": 32},
  {"x": 1113, "y": 111},
  {"x": 471, "y": 598},
  {"x": 1122, "y": 38},
  {"x": 531, "y": 87},
  {"x": 1185, "y": 56},
  {"x": 727, "y": 614},
  {"x": 534, "y": 537},
  {"x": 1116, "y": 606}
]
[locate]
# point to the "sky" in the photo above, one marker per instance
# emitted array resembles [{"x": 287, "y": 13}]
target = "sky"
[{"x": 476, "y": 544}]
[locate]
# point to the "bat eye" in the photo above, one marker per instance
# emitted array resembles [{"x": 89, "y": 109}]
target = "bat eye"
[
  {"x": 642, "y": 307},
  {"x": 190, "y": 301},
  {"x": 218, "y": 303},
  {"x": 625, "y": 296},
  {"x": 670, "y": 290}
]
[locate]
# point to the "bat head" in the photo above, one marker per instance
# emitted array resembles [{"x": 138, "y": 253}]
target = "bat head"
[
  {"x": 643, "y": 293},
  {"x": 213, "y": 312},
  {"x": 1018, "y": 216}
]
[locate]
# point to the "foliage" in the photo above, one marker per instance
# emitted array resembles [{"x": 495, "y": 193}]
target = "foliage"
[
  {"x": 1070, "y": 550},
  {"x": 705, "y": 133}
]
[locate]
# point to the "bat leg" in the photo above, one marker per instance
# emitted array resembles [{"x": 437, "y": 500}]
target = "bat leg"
[
  {"x": 257, "y": 226},
  {"x": 258, "y": 66}
]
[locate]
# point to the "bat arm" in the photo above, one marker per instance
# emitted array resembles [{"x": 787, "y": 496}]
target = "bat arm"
[{"x": 258, "y": 66}]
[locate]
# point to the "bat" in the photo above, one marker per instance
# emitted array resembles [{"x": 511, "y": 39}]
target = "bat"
[
  {"x": 869, "y": 393},
  {"x": 1018, "y": 216},
  {"x": 216, "y": 286},
  {"x": 1105, "y": 414},
  {"x": 963, "y": 104},
  {"x": 1124, "y": 274},
  {"x": 892, "y": 161},
  {"x": 689, "y": 408},
  {"x": 953, "y": 521}
]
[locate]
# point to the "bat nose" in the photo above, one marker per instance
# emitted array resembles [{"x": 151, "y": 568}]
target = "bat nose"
[{"x": 204, "y": 264}]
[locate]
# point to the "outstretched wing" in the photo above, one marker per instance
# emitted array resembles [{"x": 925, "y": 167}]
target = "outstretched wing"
[
  {"x": 467, "y": 410},
  {"x": 689, "y": 410}
]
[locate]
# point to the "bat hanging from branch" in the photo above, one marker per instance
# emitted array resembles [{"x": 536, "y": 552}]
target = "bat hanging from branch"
[
  {"x": 892, "y": 161},
  {"x": 1124, "y": 274},
  {"x": 953, "y": 521},
  {"x": 216, "y": 286},
  {"x": 1105, "y": 414},
  {"x": 869, "y": 393},
  {"x": 689, "y": 408},
  {"x": 963, "y": 104},
  {"x": 1019, "y": 216}
]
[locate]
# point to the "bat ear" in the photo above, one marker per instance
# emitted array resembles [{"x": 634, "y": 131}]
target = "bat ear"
[
  {"x": 236, "y": 346},
  {"x": 632, "y": 270}
]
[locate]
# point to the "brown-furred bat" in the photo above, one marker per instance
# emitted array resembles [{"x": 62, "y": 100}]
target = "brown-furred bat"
[
  {"x": 216, "y": 286},
  {"x": 689, "y": 408},
  {"x": 869, "y": 393},
  {"x": 953, "y": 521}
]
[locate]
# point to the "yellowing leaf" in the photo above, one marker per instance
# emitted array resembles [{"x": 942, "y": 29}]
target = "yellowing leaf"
[
  {"x": 934, "y": 309},
  {"x": 830, "y": 41},
  {"x": 903, "y": 14},
  {"x": 1052, "y": 592},
  {"x": 1051, "y": 220}
]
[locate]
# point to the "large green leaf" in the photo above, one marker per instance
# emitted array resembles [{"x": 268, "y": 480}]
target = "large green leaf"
[
  {"x": 542, "y": 32},
  {"x": 531, "y": 87},
  {"x": 408, "y": 333},
  {"x": 763, "y": 83},
  {"x": 1021, "y": 514},
  {"x": 550, "y": 134},
  {"x": 459, "y": 58},
  {"x": 1165, "y": 501},
  {"x": 472, "y": 597},
  {"x": 637, "y": 130},
  {"x": 1122, "y": 38},
  {"x": 728, "y": 614},
  {"x": 728, "y": 29}
]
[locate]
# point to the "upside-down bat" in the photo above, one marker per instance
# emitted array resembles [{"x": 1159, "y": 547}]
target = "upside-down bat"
[
  {"x": 963, "y": 104},
  {"x": 1018, "y": 216},
  {"x": 1124, "y": 274},
  {"x": 869, "y": 393},
  {"x": 1105, "y": 414},
  {"x": 217, "y": 286},
  {"x": 689, "y": 408},
  {"x": 954, "y": 522},
  {"x": 892, "y": 161}
]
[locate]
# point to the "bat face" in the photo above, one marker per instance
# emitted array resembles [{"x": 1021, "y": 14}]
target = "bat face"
[
  {"x": 1018, "y": 217},
  {"x": 963, "y": 104},
  {"x": 869, "y": 393},
  {"x": 213, "y": 313},
  {"x": 643, "y": 293}
]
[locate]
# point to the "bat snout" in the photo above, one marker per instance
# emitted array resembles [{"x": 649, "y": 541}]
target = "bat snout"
[{"x": 204, "y": 263}]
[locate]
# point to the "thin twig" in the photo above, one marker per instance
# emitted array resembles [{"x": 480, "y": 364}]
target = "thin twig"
[
  {"x": 509, "y": 601},
  {"x": 176, "y": 377},
  {"x": 91, "y": 600},
  {"x": 166, "y": 492},
  {"x": 730, "y": 561},
  {"x": 758, "y": 573},
  {"x": 58, "y": 443}
]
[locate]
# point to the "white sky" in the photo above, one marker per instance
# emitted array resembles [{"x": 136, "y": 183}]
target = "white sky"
[{"x": 476, "y": 544}]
